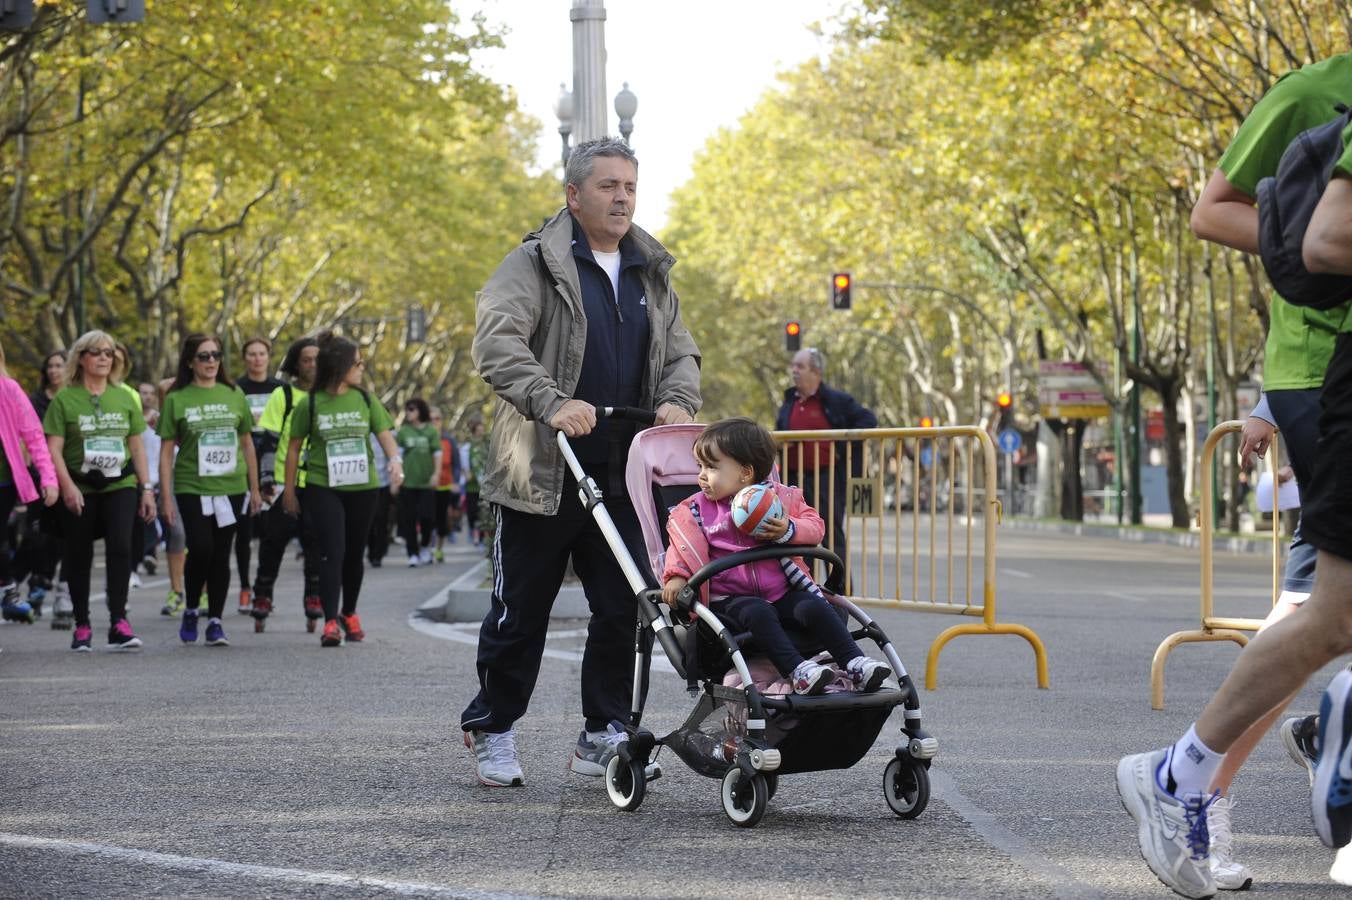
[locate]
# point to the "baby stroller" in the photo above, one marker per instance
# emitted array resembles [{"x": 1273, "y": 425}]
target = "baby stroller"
[{"x": 738, "y": 734}]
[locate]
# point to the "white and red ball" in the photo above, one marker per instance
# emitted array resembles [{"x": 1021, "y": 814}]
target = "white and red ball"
[{"x": 753, "y": 505}]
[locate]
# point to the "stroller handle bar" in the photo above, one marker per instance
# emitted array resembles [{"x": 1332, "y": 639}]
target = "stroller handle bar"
[{"x": 686, "y": 598}]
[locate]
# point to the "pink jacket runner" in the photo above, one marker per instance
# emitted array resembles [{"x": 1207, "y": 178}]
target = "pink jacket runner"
[{"x": 19, "y": 426}]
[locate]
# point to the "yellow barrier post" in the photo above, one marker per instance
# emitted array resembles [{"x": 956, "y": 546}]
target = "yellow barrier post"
[
  {"x": 792, "y": 446},
  {"x": 1213, "y": 627}
]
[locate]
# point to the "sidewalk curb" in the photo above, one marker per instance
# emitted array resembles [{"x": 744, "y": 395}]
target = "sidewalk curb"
[
  {"x": 464, "y": 601},
  {"x": 1237, "y": 545}
]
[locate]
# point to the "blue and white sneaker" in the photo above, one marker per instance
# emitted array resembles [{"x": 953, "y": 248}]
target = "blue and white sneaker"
[
  {"x": 1331, "y": 796},
  {"x": 594, "y": 750},
  {"x": 1172, "y": 832},
  {"x": 187, "y": 629},
  {"x": 216, "y": 634}
]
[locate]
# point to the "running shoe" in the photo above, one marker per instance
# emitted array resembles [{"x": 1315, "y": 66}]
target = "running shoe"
[
  {"x": 811, "y": 677},
  {"x": 148, "y": 564},
  {"x": 1172, "y": 832},
  {"x": 173, "y": 603},
  {"x": 245, "y": 601},
  {"x": 332, "y": 635},
  {"x": 413, "y": 562},
  {"x": 867, "y": 674},
  {"x": 1230, "y": 875},
  {"x": 438, "y": 555},
  {"x": 1299, "y": 737},
  {"x": 120, "y": 637},
  {"x": 216, "y": 634},
  {"x": 1331, "y": 796},
  {"x": 134, "y": 582},
  {"x": 187, "y": 629},
  {"x": 82, "y": 640},
  {"x": 425, "y": 557},
  {"x": 352, "y": 627},
  {"x": 495, "y": 758},
  {"x": 594, "y": 750}
]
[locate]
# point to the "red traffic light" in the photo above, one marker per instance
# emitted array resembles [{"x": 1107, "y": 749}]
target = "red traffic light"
[
  {"x": 1004, "y": 400},
  {"x": 926, "y": 422},
  {"x": 792, "y": 329}
]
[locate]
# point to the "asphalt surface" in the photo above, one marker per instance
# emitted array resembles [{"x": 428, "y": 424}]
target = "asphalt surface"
[{"x": 277, "y": 768}]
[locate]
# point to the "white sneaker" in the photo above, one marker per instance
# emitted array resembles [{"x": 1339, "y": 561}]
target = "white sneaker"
[
  {"x": 495, "y": 757},
  {"x": 868, "y": 674},
  {"x": 425, "y": 557},
  {"x": 1172, "y": 832},
  {"x": 594, "y": 750},
  {"x": 135, "y": 582},
  {"x": 1341, "y": 870},
  {"x": 413, "y": 562},
  {"x": 811, "y": 677},
  {"x": 1229, "y": 874}
]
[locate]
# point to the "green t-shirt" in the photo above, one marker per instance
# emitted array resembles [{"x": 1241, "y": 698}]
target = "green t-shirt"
[
  {"x": 207, "y": 423},
  {"x": 276, "y": 419},
  {"x": 418, "y": 442},
  {"x": 95, "y": 430},
  {"x": 340, "y": 454},
  {"x": 1300, "y": 340}
]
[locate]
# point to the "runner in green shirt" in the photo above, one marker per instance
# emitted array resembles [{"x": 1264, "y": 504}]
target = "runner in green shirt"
[
  {"x": 206, "y": 418},
  {"x": 420, "y": 444},
  {"x": 341, "y": 488},
  {"x": 94, "y": 431}
]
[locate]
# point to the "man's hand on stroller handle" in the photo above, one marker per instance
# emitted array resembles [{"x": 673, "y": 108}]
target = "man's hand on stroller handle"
[
  {"x": 671, "y": 414},
  {"x": 575, "y": 418}
]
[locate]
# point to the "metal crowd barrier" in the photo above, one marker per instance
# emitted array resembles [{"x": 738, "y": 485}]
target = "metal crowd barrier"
[
  {"x": 922, "y": 494},
  {"x": 1214, "y": 627}
]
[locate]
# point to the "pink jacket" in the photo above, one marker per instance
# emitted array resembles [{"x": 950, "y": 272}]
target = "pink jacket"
[
  {"x": 689, "y": 546},
  {"x": 19, "y": 426}
]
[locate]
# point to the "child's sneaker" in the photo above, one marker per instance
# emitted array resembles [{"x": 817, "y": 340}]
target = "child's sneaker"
[
  {"x": 332, "y": 635},
  {"x": 120, "y": 637},
  {"x": 173, "y": 603},
  {"x": 1331, "y": 796},
  {"x": 216, "y": 634},
  {"x": 811, "y": 678},
  {"x": 868, "y": 674},
  {"x": 187, "y": 629},
  {"x": 352, "y": 627},
  {"x": 82, "y": 640}
]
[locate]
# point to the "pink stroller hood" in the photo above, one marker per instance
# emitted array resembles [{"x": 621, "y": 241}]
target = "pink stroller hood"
[{"x": 663, "y": 455}]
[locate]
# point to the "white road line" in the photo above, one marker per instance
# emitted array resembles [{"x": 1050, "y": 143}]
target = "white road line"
[
  {"x": 242, "y": 870},
  {"x": 1061, "y": 882},
  {"x": 1016, "y": 573},
  {"x": 468, "y": 633},
  {"x": 1121, "y": 596}
]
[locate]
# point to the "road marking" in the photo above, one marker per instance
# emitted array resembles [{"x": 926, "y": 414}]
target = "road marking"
[
  {"x": 1121, "y": 596},
  {"x": 1016, "y": 573},
  {"x": 468, "y": 633},
  {"x": 1061, "y": 882},
  {"x": 242, "y": 870}
]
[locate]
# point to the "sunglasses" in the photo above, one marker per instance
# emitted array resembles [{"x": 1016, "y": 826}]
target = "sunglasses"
[
  {"x": 209, "y": 355},
  {"x": 105, "y": 352}
]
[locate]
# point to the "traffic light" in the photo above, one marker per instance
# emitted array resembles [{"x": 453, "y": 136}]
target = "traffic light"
[
  {"x": 793, "y": 336},
  {"x": 840, "y": 290},
  {"x": 926, "y": 422},
  {"x": 1004, "y": 400}
]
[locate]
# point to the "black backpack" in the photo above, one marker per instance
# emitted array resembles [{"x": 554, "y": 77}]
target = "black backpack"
[{"x": 1286, "y": 203}]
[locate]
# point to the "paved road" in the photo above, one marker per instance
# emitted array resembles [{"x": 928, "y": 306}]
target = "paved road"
[{"x": 278, "y": 768}]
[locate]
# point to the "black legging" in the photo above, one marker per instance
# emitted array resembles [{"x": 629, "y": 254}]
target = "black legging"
[
  {"x": 108, "y": 516},
  {"x": 8, "y": 495},
  {"x": 277, "y": 534},
  {"x": 244, "y": 535},
  {"x": 338, "y": 523},
  {"x": 808, "y": 611},
  {"x": 417, "y": 510},
  {"x": 208, "y": 562}
]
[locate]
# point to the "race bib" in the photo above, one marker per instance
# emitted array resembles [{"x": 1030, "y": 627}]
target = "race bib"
[
  {"x": 104, "y": 454},
  {"x": 347, "y": 463},
  {"x": 216, "y": 453}
]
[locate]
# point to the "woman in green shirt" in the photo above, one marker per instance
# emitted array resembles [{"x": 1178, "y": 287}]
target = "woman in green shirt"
[
  {"x": 93, "y": 432},
  {"x": 340, "y": 486},
  {"x": 206, "y": 418},
  {"x": 420, "y": 446}
]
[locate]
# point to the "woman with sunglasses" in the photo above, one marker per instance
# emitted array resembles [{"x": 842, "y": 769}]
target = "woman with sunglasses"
[
  {"x": 338, "y": 418},
  {"x": 420, "y": 445},
  {"x": 208, "y": 420},
  {"x": 94, "y": 435}
]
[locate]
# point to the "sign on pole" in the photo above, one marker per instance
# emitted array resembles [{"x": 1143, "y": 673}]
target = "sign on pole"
[
  {"x": 1009, "y": 440},
  {"x": 1069, "y": 390}
]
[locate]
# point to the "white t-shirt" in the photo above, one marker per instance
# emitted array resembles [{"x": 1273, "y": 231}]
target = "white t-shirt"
[{"x": 610, "y": 262}]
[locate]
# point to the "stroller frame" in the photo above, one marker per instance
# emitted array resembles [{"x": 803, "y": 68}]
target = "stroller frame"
[{"x": 751, "y": 774}]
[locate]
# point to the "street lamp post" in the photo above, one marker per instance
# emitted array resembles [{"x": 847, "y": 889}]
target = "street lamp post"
[
  {"x": 626, "y": 104},
  {"x": 563, "y": 108}
]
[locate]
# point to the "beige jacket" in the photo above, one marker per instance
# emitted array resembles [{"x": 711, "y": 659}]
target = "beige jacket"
[{"x": 529, "y": 338}]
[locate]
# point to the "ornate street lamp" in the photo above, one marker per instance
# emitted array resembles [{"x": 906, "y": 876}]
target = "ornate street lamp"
[
  {"x": 626, "y": 104},
  {"x": 563, "y": 108}
]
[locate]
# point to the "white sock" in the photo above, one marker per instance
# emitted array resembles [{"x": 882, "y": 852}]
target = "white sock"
[{"x": 1191, "y": 764}]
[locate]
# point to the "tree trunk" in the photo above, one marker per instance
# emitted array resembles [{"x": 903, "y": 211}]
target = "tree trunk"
[
  {"x": 1173, "y": 454},
  {"x": 1072, "y": 482}
]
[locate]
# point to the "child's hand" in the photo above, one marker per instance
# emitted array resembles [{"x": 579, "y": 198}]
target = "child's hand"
[
  {"x": 772, "y": 530},
  {"x": 672, "y": 588}
]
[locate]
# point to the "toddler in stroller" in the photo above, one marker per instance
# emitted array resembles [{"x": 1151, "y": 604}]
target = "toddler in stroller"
[{"x": 737, "y": 732}]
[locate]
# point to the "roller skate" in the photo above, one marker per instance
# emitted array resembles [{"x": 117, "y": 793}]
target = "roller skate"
[
  {"x": 13, "y": 607},
  {"x": 262, "y": 608},
  {"x": 314, "y": 611},
  {"x": 37, "y": 593},
  {"x": 63, "y": 611}
]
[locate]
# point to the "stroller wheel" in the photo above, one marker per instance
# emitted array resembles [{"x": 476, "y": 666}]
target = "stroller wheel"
[
  {"x": 744, "y": 798},
  {"x": 625, "y": 784},
  {"x": 906, "y": 787}
]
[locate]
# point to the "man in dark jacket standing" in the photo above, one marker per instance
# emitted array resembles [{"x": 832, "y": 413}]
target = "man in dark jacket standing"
[
  {"x": 579, "y": 315},
  {"x": 812, "y": 405}
]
